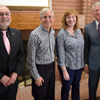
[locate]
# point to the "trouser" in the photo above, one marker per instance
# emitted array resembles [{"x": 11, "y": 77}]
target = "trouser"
[
  {"x": 75, "y": 76},
  {"x": 93, "y": 83},
  {"x": 47, "y": 90},
  {"x": 10, "y": 94}
]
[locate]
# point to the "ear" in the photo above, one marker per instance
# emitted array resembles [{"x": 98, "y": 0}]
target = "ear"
[
  {"x": 53, "y": 19},
  {"x": 40, "y": 19},
  {"x": 92, "y": 11}
]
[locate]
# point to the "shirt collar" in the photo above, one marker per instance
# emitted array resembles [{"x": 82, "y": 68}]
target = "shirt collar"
[
  {"x": 96, "y": 23},
  {"x": 3, "y": 30},
  {"x": 44, "y": 28}
]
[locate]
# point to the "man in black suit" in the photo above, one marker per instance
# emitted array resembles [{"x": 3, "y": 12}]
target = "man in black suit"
[
  {"x": 11, "y": 63},
  {"x": 92, "y": 51}
]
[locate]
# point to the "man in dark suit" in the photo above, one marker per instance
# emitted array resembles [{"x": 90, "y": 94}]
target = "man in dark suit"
[
  {"x": 11, "y": 61},
  {"x": 92, "y": 51}
]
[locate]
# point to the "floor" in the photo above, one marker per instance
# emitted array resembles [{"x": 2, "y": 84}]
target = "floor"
[{"x": 25, "y": 92}]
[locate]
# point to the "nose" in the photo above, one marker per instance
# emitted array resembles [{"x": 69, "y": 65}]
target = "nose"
[
  {"x": 47, "y": 18},
  {"x": 99, "y": 11},
  {"x": 4, "y": 16},
  {"x": 71, "y": 18}
]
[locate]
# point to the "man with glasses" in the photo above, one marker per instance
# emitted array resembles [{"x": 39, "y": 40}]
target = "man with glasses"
[
  {"x": 11, "y": 56},
  {"x": 40, "y": 57}
]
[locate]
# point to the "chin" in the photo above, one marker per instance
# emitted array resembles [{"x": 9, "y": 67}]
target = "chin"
[{"x": 4, "y": 26}]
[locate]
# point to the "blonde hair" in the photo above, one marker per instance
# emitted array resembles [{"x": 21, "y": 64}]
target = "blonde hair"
[{"x": 67, "y": 13}]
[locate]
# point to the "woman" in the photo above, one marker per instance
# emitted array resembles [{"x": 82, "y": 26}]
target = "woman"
[{"x": 70, "y": 46}]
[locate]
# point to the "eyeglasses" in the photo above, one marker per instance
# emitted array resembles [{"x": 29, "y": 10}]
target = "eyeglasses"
[
  {"x": 45, "y": 17},
  {"x": 6, "y": 14}
]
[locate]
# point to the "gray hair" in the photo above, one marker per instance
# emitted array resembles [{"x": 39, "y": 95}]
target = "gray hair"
[
  {"x": 45, "y": 10},
  {"x": 96, "y": 4}
]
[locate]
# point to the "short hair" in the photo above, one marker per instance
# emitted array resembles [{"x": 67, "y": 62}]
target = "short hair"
[
  {"x": 96, "y": 4},
  {"x": 45, "y": 10},
  {"x": 68, "y": 12}
]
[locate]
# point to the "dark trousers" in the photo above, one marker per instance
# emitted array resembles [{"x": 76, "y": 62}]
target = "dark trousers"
[
  {"x": 47, "y": 90},
  {"x": 93, "y": 83},
  {"x": 9, "y": 95},
  {"x": 75, "y": 76}
]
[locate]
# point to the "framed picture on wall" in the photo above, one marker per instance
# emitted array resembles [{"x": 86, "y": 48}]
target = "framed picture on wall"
[{"x": 26, "y": 4}]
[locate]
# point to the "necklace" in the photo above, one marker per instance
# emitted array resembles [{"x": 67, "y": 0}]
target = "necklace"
[{"x": 71, "y": 32}]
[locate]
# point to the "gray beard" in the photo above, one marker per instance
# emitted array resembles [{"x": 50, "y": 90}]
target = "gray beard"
[{"x": 4, "y": 26}]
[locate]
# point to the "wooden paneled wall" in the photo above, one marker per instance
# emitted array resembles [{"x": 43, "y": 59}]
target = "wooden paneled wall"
[{"x": 31, "y": 21}]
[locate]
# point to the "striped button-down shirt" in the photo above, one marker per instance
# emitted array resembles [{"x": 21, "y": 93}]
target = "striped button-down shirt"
[
  {"x": 40, "y": 49},
  {"x": 70, "y": 49}
]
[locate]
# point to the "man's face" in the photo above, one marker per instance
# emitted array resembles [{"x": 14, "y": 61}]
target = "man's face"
[
  {"x": 96, "y": 12},
  {"x": 5, "y": 17},
  {"x": 47, "y": 19}
]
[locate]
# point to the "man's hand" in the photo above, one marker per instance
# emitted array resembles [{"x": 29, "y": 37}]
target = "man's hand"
[
  {"x": 39, "y": 81},
  {"x": 4, "y": 80},
  {"x": 86, "y": 69},
  {"x": 13, "y": 78}
]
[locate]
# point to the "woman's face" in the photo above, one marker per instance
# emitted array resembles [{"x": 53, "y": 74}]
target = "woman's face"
[{"x": 71, "y": 20}]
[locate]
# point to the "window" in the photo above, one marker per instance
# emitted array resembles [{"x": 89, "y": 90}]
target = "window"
[{"x": 27, "y": 4}]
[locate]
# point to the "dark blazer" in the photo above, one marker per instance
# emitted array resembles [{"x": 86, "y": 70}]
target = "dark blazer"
[
  {"x": 92, "y": 46},
  {"x": 14, "y": 62}
]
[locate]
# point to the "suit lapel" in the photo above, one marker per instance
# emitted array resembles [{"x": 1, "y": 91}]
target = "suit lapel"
[{"x": 11, "y": 38}]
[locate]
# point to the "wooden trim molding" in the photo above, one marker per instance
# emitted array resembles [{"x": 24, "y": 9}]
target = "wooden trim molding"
[{"x": 25, "y": 7}]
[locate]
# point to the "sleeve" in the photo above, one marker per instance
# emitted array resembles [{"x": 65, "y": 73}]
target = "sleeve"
[
  {"x": 31, "y": 54},
  {"x": 79, "y": 31},
  {"x": 1, "y": 75},
  {"x": 20, "y": 57},
  {"x": 60, "y": 49},
  {"x": 86, "y": 45}
]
